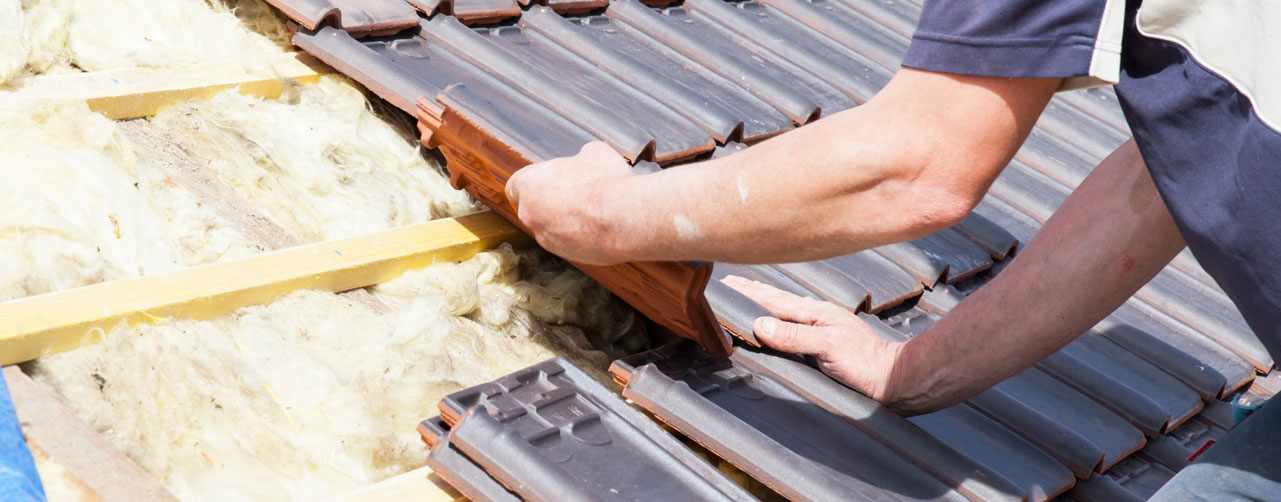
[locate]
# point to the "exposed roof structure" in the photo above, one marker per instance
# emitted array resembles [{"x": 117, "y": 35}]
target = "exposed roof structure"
[{"x": 504, "y": 85}]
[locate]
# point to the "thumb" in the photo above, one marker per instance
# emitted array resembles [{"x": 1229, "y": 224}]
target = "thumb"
[
  {"x": 790, "y": 337},
  {"x": 597, "y": 148},
  {"x": 512, "y": 190}
]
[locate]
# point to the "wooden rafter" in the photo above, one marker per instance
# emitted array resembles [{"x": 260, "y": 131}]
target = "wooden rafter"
[
  {"x": 141, "y": 92},
  {"x": 93, "y": 466},
  {"x": 63, "y": 320}
]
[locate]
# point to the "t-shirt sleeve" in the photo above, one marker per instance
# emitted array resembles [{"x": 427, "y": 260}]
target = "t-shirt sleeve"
[{"x": 1077, "y": 40}]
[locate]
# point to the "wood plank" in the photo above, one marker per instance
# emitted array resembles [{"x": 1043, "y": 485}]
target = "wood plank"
[
  {"x": 418, "y": 485},
  {"x": 60, "y": 484},
  {"x": 141, "y": 92},
  {"x": 99, "y": 471},
  {"x": 63, "y": 320}
]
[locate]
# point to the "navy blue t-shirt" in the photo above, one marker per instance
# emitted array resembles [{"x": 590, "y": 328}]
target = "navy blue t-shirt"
[{"x": 1197, "y": 82}]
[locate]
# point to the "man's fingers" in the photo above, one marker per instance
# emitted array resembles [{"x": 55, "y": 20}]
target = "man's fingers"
[
  {"x": 597, "y": 148},
  {"x": 784, "y": 305},
  {"x": 790, "y": 337},
  {"x": 588, "y": 160}
]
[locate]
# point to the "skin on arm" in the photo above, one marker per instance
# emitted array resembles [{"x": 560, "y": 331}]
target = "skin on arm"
[
  {"x": 914, "y": 159},
  {"x": 1111, "y": 236}
]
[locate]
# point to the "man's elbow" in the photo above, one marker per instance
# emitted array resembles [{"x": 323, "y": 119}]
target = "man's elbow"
[
  {"x": 938, "y": 193},
  {"x": 941, "y": 208}
]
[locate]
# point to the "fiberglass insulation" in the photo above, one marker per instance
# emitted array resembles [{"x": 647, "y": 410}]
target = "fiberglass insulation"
[
  {"x": 309, "y": 396},
  {"x": 92, "y": 35},
  {"x": 317, "y": 161},
  {"x": 314, "y": 395},
  {"x": 13, "y": 40},
  {"x": 81, "y": 207}
]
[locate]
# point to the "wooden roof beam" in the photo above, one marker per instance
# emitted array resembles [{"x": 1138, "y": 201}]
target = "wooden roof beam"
[
  {"x": 142, "y": 92},
  {"x": 63, "y": 320}
]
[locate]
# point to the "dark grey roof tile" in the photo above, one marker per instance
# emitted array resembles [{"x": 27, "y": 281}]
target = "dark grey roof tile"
[
  {"x": 664, "y": 78},
  {"x": 1101, "y": 489},
  {"x": 842, "y": 68},
  {"x": 988, "y": 235},
  {"x": 551, "y": 432},
  {"x": 360, "y": 18},
  {"x": 760, "y": 73},
  {"x": 456, "y": 469},
  {"x": 849, "y": 27},
  {"x": 771, "y": 432},
  {"x": 964, "y": 474},
  {"x": 1127, "y": 384}
]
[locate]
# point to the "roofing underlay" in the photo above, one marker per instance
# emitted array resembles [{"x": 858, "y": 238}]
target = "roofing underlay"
[{"x": 496, "y": 84}]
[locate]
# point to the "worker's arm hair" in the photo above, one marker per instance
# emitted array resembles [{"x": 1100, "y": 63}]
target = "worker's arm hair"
[
  {"x": 1110, "y": 237},
  {"x": 914, "y": 159}
]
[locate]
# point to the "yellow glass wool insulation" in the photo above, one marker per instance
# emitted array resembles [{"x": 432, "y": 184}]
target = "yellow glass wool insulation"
[
  {"x": 317, "y": 160},
  {"x": 13, "y": 40},
  {"x": 81, "y": 207},
  {"x": 313, "y": 395},
  {"x": 92, "y": 35},
  {"x": 309, "y": 396},
  {"x": 46, "y": 35}
]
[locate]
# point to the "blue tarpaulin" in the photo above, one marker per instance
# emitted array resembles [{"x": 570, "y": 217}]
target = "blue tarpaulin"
[{"x": 19, "y": 481}]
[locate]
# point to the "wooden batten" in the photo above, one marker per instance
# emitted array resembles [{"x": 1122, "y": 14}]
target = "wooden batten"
[
  {"x": 142, "y": 92},
  {"x": 418, "y": 485},
  {"x": 63, "y": 320}
]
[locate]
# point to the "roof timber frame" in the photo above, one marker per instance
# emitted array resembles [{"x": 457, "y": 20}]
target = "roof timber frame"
[{"x": 65, "y": 319}]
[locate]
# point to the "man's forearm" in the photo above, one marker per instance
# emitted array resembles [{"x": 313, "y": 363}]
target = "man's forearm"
[
  {"x": 912, "y": 160},
  {"x": 881, "y": 173},
  {"x": 1111, "y": 236},
  {"x": 782, "y": 200}
]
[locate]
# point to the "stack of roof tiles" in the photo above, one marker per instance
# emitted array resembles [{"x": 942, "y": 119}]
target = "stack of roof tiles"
[
  {"x": 551, "y": 432},
  {"x": 497, "y": 84}
]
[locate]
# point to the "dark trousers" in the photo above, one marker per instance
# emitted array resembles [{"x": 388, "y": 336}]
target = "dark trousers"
[{"x": 1244, "y": 465}]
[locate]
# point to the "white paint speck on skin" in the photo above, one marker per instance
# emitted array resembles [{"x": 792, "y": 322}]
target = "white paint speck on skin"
[
  {"x": 686, "y": 229},
  {"x": 742, "y": 187}
]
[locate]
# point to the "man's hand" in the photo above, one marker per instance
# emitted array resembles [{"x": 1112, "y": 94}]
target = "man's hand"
[
  {"x": 561, "y": 201},
  {"x": 846, "y": 348},
  {"x": 1108, "y": 239}
]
